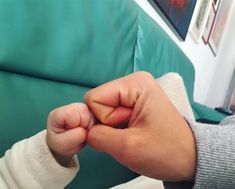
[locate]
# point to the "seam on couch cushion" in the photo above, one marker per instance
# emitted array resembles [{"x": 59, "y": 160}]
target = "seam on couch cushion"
[
  {"x": 45, "y": 78},
  {"x": 136, "y": 45}
]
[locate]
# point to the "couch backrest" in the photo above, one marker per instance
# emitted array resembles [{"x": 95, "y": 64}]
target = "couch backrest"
[
  {"x": 59, "y": 40},
  {"x": 156, "y": 53},
  {"x": 82, "y": 42}
]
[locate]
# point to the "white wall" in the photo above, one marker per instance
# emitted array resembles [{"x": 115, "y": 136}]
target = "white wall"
[
  {"x": 224, "y": 69},
  {"x": 204, "y": 61}
]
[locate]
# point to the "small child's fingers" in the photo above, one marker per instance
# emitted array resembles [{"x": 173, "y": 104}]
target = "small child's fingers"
[
  {"x": 63, "y": 118},
  {"x": 92, "y": 121},
  {"x": 80, "y": 115},
  {"x": 69, "y": 142},
  {"x": 57, "y": 120},
  {"x": 69, "y": 117},
  {"x": 73, "y": 140},
  {"x": 66, "y": 117},
  {"x": 72, "y": 115},
  {"x": 87, "y": 119}
]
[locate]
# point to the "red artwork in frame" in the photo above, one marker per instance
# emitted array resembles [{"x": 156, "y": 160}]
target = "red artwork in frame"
[
  {"x": 209, "y": 25},
  {"x": 176, "y": 13},
  {"x": 179, "y": 4}
]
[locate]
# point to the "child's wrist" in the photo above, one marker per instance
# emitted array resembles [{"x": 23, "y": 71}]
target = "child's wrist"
[
  {"x": 60, "y": 159},
  {"x": 64, "y": 161}
]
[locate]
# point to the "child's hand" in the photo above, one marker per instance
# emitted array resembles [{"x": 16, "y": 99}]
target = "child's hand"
[{"x": 67, "y": 129}]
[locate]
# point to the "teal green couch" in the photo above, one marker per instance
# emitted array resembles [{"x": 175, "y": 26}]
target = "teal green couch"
[{"x": 53, "y": 51}]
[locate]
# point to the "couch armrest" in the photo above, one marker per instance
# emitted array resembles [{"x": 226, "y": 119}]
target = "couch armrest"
[{"x": 205, "y": 112}]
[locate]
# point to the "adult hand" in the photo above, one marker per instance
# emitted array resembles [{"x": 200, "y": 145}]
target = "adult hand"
[{"x": 157, "y": 141}]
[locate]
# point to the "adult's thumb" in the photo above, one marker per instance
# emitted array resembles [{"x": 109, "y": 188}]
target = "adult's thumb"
[{"x": 107, "y": 139}]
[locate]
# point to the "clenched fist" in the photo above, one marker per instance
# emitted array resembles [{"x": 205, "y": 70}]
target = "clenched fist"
[
  {"x": 157, "y": 141},
  {"x": 67, "y": 130}
]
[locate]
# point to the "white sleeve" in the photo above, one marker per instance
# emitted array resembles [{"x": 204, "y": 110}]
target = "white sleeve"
[
  {"x": 140, "y": 183},
  {"x": 173, "y": 86},
  {"x": 30, "y": 164}
]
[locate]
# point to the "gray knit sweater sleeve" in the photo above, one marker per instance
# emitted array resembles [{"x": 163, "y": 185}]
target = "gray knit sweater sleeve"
[
  {"x": 215, "y": 156},
  {"x": 215, "y": 143}
]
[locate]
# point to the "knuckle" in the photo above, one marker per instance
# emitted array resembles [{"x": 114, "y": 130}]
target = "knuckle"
[
  {"x": 68, "y": 112},
  {"x": 79, "y": 107},
  {"x": 145, "y": 75},
  {"x": 83, "y": 108},
  {"x": 146, "y": 79},
  {"x": 88, "y": 97},
  {"x": 51, "y": 114}
]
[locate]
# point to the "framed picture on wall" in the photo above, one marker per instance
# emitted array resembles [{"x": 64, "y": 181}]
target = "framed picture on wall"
[
  {"x": 209, "y": 25},
  {"x": 176, "y": 13},
  {"x": 201, "y": 19},
  {"x": 221, "y": 21},
  {"x": 216, "y": 4}
]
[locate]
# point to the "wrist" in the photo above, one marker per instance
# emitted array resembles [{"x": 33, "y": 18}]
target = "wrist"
[
  {"x": 182, "y": 159},
  {"x": 189, "y": 155},
  {"x": 64, "y": 161}
]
